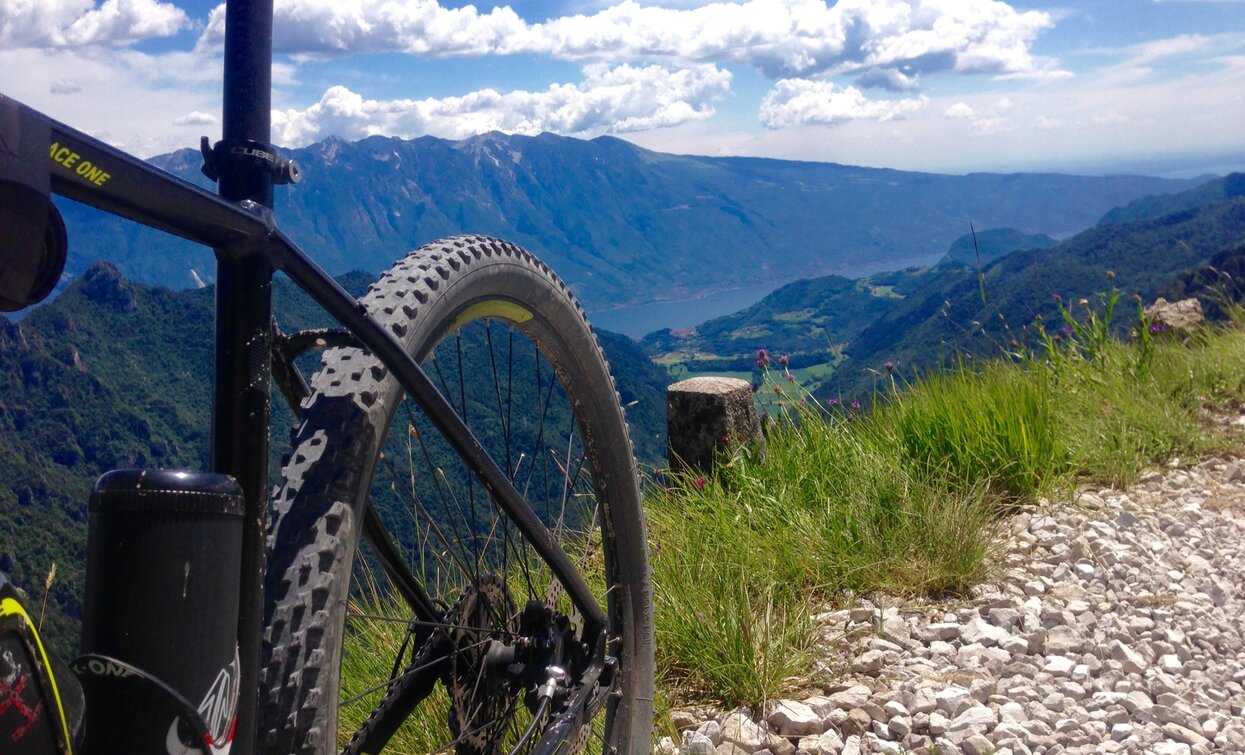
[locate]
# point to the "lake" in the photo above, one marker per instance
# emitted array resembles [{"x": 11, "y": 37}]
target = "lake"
[{"x": 640, "y": 320}]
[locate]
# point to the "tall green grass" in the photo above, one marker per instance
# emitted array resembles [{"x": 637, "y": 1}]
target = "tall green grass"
[
  {"x": 994, "y": 425},
  {"x": 906, "y": 498},
  {"x": 830, "y": 509}
]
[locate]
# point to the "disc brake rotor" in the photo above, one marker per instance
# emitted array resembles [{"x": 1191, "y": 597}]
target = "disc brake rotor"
[{"x": 483, "y": 702}]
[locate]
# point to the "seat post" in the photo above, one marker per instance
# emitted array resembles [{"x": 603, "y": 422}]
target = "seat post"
[{"x": 242, "y": 374}]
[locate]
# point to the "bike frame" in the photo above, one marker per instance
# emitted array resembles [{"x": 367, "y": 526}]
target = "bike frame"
[{"x": 239, "y": 225}]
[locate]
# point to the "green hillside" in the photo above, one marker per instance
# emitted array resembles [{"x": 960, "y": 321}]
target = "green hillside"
[
  {"x": 948, "y": 316},
  {"x": 982, "y": 247}
]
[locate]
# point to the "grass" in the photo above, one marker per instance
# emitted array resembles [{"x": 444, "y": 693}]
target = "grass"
[{"x": 905, "y": 497}]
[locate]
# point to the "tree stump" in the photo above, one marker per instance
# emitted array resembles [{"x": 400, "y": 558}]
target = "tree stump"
[{"x": 706, "y": 414}]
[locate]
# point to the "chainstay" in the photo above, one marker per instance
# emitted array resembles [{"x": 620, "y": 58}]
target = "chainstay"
[{"x": 420, "y": 664}]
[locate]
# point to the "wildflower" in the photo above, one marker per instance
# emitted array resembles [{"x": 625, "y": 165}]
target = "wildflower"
[
  {"x": 790, "y": 378},
  {"x": 888, "y": 365},
  {"x": 1084, "y": 302},
  {"x": 1058, "y": 299},
  {"x": 851, "y": 417},
  {"x": 1136, "y": 298},
  {"x": 833, "y": 401},
  {"x": 756, "y": 387},
  {"x": 1057, "y": 338},
  {"x": 783, "y": 360},
  {"x": 1015, "y": 344},
  {"x": 1068, "y": 330},
  {"x": 764, "y": 416},
  {"x": 762, "y": 358},
  {"x": 1157, "y": 328},
  {"x": 855, "y": 406},
  {"x": 701, "y": 482},
  {"x": 1110, "y": 275}
]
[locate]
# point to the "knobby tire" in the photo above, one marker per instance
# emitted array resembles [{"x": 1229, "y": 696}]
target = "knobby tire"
[{"x": 457, "y": 296}]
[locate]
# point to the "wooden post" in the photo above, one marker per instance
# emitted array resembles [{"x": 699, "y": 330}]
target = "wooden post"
[{"x": 705, "y": 414}]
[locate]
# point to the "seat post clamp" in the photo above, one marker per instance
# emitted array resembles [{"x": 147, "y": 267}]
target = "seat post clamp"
[{"x": 241, "y": 152}]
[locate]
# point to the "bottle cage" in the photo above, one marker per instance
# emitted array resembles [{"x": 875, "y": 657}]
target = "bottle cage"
[{"x": 32, "y": 234}]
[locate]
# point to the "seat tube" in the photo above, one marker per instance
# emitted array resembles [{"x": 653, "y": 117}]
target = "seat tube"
[{"x": 243, "y": 356}]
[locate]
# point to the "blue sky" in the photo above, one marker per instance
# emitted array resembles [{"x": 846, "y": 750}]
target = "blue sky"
[{"x": 939, "y": 85}]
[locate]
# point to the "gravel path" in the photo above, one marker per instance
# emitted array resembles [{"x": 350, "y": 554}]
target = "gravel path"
[{"x": 1117, "y": 626}]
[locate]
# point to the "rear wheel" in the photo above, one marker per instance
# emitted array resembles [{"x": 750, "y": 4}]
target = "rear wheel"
[{"x": 399, "y": 590}]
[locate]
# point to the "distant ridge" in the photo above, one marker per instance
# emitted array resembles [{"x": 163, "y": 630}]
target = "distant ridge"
[
  {"x": 1214, "y": 190},
  {"x": 621, "y": 224}
]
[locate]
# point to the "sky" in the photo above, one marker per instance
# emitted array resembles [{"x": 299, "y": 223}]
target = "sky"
[{"x": 952, "y": 86}]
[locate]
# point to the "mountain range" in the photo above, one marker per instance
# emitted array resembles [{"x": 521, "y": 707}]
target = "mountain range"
[{"x": 620, "y": 224}]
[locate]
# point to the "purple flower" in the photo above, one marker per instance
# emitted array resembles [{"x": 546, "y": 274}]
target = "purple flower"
[
  {"x": 1157, "y": 328},
  {"x": 783, "y": 360},
  {"x": 888, "y": 365},
  {"x": 834, "y": 402},
  {"x": 1068, "y": 330},
  {"x": 1058, "y": 299},
  {"x": 756, "y": 387},
  {"x": 762, "y": 358},
  {"x": 700, "y": 482},
  {"x": 790, "y": 378},
  {"x": 855, "y": 406}
]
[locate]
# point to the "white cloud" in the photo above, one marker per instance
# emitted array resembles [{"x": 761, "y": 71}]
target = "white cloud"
[
  {"x": 1108, "y": 118},
  {"x": 196, "y": 118},
  {"x": 799, "y": 102},
  {"x": 1047, "y": 123},
  {"x": 992, "y": 125},
  {"x": 886, "y": 41},
  {"x": 1183, "y": 44},
  {"x": 959, "y": 110},
  {"x": 65, "y": 86},
  {"x": 134, "y": 97},
  {"x": 66, "y": 23},
  {"x": 889, "y": 78},
  {"x": 608, "y": 100}
]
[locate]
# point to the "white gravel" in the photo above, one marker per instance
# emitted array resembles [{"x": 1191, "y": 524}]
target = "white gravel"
[{"x": 1117, "y": 626}]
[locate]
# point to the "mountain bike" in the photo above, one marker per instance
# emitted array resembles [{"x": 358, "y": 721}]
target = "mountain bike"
[{"x": 458, "y": 521}]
